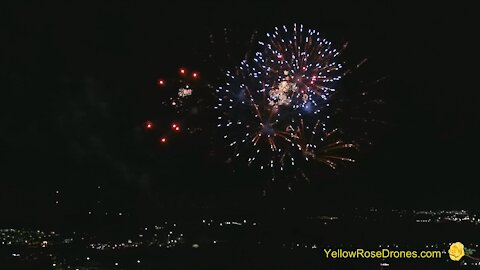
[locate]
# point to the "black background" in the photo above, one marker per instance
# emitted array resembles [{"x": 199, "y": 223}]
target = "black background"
[{"x": 75, "y": 94}]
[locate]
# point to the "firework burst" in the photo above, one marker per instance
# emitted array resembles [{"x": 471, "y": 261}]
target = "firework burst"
[
  {"x": 181, "y": 90},
  {"x": 276, "y": 108},
  {"x": 298, "y": 67}
]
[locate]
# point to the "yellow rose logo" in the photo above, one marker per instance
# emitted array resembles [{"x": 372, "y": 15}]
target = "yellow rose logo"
[{"x": 456, "y": 251}]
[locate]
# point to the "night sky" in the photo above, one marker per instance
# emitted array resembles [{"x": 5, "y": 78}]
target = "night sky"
[{"x": 77, "y": 88}]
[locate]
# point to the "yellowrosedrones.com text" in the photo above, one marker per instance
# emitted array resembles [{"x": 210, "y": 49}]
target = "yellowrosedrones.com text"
[{"x": 384, "y": 253}]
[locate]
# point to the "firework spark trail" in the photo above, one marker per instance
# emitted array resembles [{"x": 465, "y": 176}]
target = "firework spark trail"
[{"x": 327, "y": 152}]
